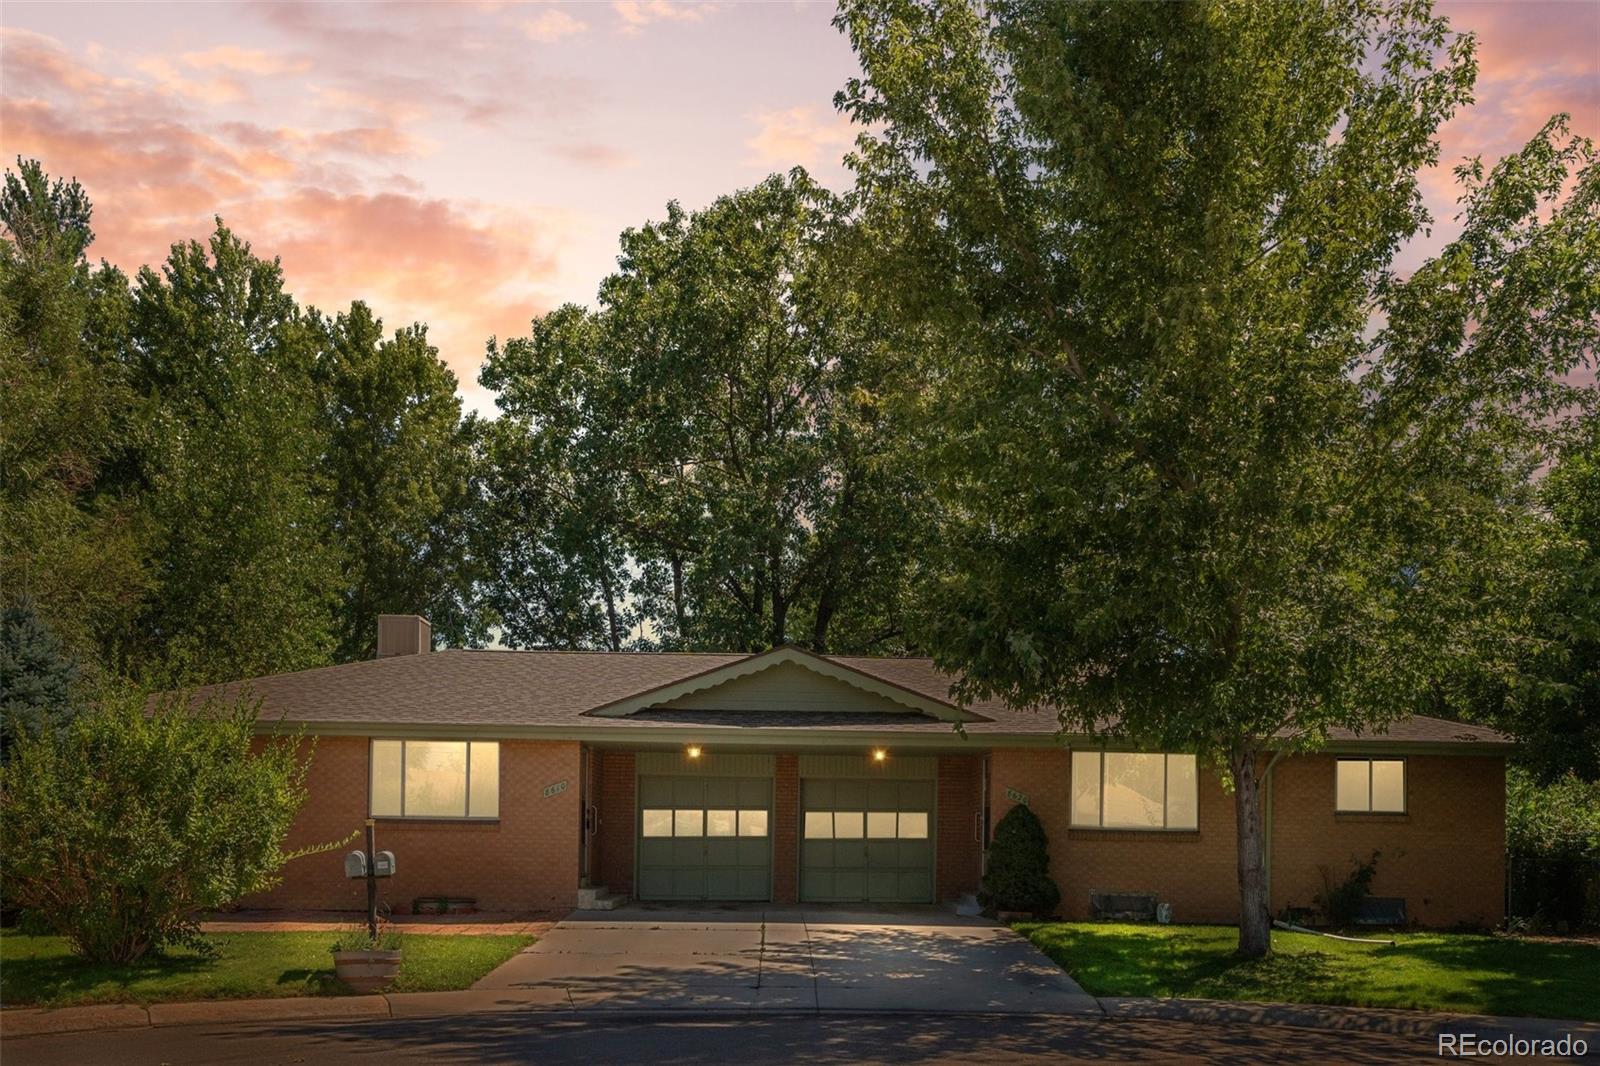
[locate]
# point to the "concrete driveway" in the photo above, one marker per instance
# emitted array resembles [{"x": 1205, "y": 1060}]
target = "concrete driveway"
[{"x": 774, "y": 958}]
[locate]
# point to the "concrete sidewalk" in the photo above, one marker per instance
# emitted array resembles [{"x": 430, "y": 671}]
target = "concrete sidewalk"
[
  {"x": 16, "y": 1024},
  {"x": 293, "y": 921}
]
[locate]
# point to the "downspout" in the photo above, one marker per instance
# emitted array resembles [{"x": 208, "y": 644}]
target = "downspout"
[
  {"x": 1266, "y": 842},
  {"x": 981, "y": 829}
]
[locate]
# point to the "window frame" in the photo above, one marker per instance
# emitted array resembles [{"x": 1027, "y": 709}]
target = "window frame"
[
  {"x": 466, "y": 804},
  {"x": 1099, "y": 825},
  {"x": 1405, "y": 785}
]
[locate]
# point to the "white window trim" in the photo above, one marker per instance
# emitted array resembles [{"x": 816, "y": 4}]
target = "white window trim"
[
  {"x": 1099, "y": 826},
  {"x": 466, "y": 806},
  {"x": 1405, "y": 784}
]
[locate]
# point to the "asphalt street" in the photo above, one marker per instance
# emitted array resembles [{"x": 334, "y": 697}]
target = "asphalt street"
[{"x": 519, "y": 1038}]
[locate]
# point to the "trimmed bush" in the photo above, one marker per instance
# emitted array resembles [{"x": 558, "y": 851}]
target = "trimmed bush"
[
  {"x": 1018, "y": 875},
  {"x": 123, "y": 826}
]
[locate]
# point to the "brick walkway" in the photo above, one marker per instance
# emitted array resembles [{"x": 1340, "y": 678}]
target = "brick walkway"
[{"x": 287, "y": 921}]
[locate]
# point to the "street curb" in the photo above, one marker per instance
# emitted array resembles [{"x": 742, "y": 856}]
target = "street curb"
[
  {"x": 1386, "y": 1022},
  {"x": 46, "y": 1021},
  {"x": 31, "y": 1022}
]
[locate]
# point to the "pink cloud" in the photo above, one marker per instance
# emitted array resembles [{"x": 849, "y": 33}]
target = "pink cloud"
[
  {"x": 449, "y": 60},
  {"x": 800, "y": 135},
  {"x": 602, "y": 156},
  {"x": 167, "y": 78},
  {"x": 1535, "y": 59},
  {"x": 158, "y": 169},
  {"x": 467, "y": 271},
  {"x": 552, "y": 25},
  {"x": 637, "y": 14},
  {"x": 245, "y": 61}
]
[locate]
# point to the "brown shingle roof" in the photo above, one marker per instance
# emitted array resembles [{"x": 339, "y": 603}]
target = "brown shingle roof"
[{"x": 554, "y": 689}]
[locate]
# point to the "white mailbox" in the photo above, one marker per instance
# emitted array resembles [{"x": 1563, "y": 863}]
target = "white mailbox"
[
  {"x": 383, "y": 864},
  {"x": 355, "y": 864}
]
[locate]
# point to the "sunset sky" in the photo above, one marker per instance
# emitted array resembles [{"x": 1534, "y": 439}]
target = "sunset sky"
[{"x": 470, "y": 165}]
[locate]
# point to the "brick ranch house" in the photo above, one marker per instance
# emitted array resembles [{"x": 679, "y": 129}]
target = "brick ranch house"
[{"x": 517, "y": 778}]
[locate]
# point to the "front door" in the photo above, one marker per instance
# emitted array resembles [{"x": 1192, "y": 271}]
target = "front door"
[
  {"x": 866, "y": 841},
  {"x": 705, "y": 838}
]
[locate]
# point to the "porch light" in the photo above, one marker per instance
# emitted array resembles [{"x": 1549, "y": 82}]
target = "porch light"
[
  {"x": 693, "y": 751},
  {"x": 879, "y": 755}
]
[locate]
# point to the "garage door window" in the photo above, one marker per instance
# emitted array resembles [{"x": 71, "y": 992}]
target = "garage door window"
[
  {"x": 656, "y": 822},
  {"x": 880, "y": 825}
]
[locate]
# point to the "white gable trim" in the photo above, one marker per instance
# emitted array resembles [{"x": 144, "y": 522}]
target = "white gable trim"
[{"x": 914, "y": 701}]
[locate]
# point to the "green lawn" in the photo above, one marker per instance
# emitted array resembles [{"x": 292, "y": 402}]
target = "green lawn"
[
  {"x": 39, "y": 971},
  {"x": 1429, "y": 971}
]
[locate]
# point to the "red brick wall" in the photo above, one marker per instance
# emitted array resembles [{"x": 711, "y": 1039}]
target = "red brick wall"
[
  {"x": 614, "y": 798},
  {"x": 959, "y": 852},
  {"x": 786, "y": 829},
  {"x": 527, "y": 860},
  {"x": 1445, "y": 856}
]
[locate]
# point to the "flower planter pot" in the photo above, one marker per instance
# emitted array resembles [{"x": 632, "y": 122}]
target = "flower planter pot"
[{"x": 366, "y": 971}]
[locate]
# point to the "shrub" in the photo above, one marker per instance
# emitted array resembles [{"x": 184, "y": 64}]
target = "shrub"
[
  {"x": 1341, "y": 902},
  {"x": 1018, "y": 876},
  {"x": 1553, "y": 851},
  {"x": 136, "y": 816}
]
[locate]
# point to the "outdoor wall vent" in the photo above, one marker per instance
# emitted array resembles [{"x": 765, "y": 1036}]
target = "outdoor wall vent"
[{"x": 403, "y": 634}]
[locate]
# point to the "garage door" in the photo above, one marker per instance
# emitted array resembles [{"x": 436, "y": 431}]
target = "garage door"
[
  {"x": 866, "y": 841},
  {"x": 705, "y": 838}
]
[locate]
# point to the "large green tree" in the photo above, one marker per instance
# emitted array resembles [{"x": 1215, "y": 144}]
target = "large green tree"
[
  {"x": 398, "y": 468},
  {"x": 70, "y": 545},
  {"x": 708, "y": 451},
  {"x": 1548, "y": 694},
  {"x": 244, "y": 570},
  {"x": 37, "y": 676},
  {"x": 1215, "y": 476}
]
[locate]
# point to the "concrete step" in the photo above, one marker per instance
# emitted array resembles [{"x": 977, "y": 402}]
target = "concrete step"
[{"x": 598, "y": 898}]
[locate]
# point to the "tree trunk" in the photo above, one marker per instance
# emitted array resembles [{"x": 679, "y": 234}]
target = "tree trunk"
[
  {"x": 819, "y": 628},
  {"x": 613, "y": 624},
  {"x": 780, "y": 595},
  {"x": 679, "y": 612},
  {"x": 1255, "y": 925}
]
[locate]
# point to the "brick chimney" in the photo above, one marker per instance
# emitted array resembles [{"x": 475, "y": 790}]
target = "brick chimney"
[{"x": 403, "y": 634}]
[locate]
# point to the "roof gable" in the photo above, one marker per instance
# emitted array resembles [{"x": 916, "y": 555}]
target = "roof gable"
[{"x": 787, "y": 679}]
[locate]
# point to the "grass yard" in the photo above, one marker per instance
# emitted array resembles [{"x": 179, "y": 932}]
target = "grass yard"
[
  {"x": 39, "y": 971},
  {"x": 1451, "y": 972}
]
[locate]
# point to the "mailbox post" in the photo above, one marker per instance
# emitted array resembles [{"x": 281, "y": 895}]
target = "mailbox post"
[
  {"x": 370, "y": 865},
  {"x": 372, "y": 885}
]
